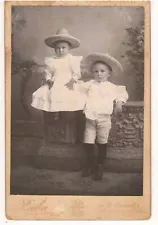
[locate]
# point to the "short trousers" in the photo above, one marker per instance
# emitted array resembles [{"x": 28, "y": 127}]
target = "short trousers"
[{"x": 97, "y": 130}]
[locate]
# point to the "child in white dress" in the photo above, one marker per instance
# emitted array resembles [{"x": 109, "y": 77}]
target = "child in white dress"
[
  {"x": 60, "y": 92},
  {"x": 101, "y": 95}
]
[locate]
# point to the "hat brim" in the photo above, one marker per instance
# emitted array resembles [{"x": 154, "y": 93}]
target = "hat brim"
[
  {"x": 51, "y": 41},
  {"x": 105, "y": 58}
]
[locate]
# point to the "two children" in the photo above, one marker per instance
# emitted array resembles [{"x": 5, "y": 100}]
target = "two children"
[{"x": 64, "y": 92}]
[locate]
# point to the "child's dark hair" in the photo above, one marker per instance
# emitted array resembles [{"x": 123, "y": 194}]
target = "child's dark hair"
[{"x": 110, "y": 69}]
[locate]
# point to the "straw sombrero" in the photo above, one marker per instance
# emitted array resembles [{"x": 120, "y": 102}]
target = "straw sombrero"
[
  {"x": 62, "y": 35},
  {"x": 105, "y": 58}
]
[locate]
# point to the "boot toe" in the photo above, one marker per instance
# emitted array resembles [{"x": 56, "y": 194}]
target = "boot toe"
[{"x": 98, "y": 175}]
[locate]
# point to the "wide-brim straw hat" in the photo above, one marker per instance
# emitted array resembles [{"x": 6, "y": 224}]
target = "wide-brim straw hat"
[
  {"x": 62, "y": 35},
  {"x": 105, "y": 58}
]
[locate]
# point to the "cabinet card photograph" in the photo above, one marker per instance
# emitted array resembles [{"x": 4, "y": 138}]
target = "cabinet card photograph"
[{"x": 77, "y": 110}]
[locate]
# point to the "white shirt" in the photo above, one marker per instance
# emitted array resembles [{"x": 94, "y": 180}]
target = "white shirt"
[{"x": 101, "y": 96}]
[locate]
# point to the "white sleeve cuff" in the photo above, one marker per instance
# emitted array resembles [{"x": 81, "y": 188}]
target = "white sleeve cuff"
[
  {"x": 48, "y": 75},
  {"x": 76, "y": 77},
  {"x": 121, "y": 94}
]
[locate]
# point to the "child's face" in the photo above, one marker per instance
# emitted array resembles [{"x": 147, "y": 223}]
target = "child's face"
[
  {"x": 62, "y": 48},
  {"x": 101, "y": 72}
]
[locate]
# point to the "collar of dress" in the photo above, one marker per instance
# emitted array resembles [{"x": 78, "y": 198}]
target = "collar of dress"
[{"x": 68, "y": 55}]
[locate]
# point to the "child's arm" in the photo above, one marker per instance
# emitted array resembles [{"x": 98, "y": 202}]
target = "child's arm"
[
  {"x": 49, "y": 72},
  {"x": 121, "y": 98},
  {"x": 76, "y": 73},
  {"x": 76, "y": 67},
  {"x": 84, "y": 87},
  {"x": 49, "y": 78}
]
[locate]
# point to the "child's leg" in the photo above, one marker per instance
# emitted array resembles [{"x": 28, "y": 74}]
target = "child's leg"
[
  {"x": 46, "y": 127},
  {"x": 104, "y": 126},
  {"x": 90, "y": 159},
  {"x": 89, "y": 140},
  {"x": 102, "y": 152},
  {"x": 48, "y": 119},
  {"x": 80, "y": 126}
]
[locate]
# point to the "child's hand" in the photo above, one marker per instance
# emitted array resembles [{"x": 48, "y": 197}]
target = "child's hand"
[
  {"x": 70, "y": 84},
  {"x": 50, "y": 83},
  {"x": 118, "y": 109}
]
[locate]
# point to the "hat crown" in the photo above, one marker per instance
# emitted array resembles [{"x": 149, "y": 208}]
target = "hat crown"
[
  {"x": 62, "y": 31},
  {"x": 62, "y": 35}
]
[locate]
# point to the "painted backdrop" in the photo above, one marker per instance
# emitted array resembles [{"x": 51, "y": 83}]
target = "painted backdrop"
[{"x": 100, "y": 29}]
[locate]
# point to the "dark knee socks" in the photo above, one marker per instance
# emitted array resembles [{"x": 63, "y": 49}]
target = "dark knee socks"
[
  {"x": 102, "y": 151},
  {"x": 89, "y": 151},
  {"x": 80, "y": 126}
]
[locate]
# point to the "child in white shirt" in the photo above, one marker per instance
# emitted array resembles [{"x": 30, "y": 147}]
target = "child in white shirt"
[{"x": 101, "y": 95}]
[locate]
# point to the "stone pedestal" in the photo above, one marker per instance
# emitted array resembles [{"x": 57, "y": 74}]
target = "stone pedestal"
[{"x": 129, "y": 131}]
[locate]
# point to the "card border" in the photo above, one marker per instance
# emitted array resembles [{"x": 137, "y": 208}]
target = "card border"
[{"x": 62, "y": 207}]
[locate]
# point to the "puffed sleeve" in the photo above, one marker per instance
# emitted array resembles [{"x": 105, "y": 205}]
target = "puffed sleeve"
[
  {"x": 50, "y": 69},
  {"x": 75, "y": 66},
  {"x": 121, "y": 94},
  {"x": 84, "y": 86}
]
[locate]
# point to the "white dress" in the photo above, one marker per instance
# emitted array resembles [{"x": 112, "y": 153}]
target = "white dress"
[{"x": 59, "y": 97}]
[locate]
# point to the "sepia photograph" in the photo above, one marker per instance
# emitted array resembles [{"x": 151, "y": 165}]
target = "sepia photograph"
[{"x": 77, "y": 100}]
